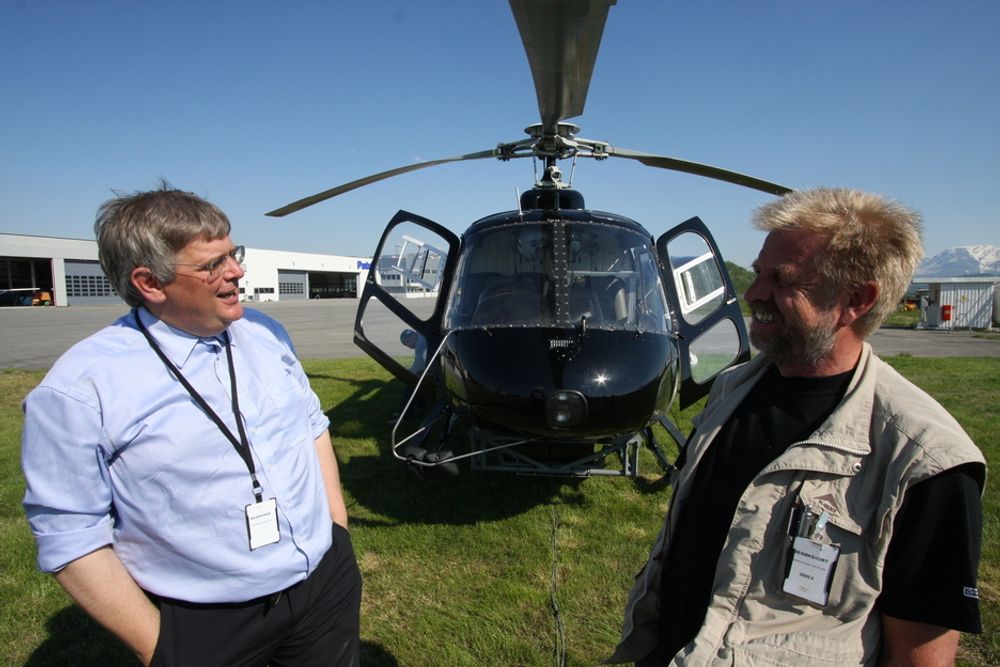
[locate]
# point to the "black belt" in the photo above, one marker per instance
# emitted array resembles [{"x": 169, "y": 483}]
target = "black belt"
[{"x": 271, "y": 600}]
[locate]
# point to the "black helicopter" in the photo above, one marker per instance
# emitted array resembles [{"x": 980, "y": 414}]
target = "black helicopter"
[{"x": 559, "y": 334}]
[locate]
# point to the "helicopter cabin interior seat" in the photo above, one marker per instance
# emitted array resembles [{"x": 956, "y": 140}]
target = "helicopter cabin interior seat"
[
  {"x": 472, "y": 288},
  {"x": 611, "y": 294},
  {"x": 511, "y": 300},
  {"x": 583, "y": 303},
  {"x": 614, "y": 297}
]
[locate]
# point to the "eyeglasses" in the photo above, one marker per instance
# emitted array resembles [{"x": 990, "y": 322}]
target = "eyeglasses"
[{"x": 217, "y": 266}]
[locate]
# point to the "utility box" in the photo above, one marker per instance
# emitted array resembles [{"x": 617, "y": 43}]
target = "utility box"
[{"x": 965, "y": 302}]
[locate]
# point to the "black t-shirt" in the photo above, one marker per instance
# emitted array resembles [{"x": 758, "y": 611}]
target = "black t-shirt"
[
  {"x": 930, "y": 569},
  {"x": 778, "y": 412}
]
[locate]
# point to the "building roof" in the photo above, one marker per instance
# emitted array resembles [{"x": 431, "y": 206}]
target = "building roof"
[{"x": 967, "y": 280}]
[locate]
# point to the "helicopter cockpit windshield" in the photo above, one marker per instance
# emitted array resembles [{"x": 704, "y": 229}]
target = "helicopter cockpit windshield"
[{"x": 558, "y": 274}]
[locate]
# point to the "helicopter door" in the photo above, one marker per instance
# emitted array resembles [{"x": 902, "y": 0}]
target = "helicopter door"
[
  {"x": 404, "y": 296},
  {"x": 710, "y": 327}
]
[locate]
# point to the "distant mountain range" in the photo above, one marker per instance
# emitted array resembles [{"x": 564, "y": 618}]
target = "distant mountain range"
[{"x": 966, "y": 260}]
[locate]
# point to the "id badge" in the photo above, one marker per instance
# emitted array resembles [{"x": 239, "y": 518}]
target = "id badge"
[
  {"x": 262, "y": 523},
  {"x": 811, "y": 570}
]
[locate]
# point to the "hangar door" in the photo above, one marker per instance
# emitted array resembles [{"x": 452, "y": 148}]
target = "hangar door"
[
  {"x": 333, "y": 285},
  {"x": 292, "y": 285},
  {"x": 21, "y": 278},
  {"x": 86, "y": 284}
]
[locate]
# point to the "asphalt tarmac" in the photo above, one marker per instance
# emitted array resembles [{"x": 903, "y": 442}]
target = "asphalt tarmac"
[{"x": 33, "y": 338}]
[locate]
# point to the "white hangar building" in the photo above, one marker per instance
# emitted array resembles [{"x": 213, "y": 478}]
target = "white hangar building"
[{"x": 68, "y": 271}]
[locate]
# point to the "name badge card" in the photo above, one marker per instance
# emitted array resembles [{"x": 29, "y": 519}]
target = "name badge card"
[
  {"x": 812, "y": 567},
  {"x": 262, "y": 523}
]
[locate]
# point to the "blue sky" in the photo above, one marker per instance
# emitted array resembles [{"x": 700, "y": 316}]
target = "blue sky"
[{"x": 255, "y": 103}]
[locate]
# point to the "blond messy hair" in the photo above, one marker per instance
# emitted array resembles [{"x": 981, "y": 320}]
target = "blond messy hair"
[{"x": 869, "y": 239}]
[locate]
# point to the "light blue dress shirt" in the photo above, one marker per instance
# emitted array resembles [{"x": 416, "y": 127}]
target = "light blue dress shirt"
[{"x": 116, "y": 451}]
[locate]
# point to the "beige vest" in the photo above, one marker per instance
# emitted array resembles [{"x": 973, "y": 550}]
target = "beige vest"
[{"x": 885, "y": 436}]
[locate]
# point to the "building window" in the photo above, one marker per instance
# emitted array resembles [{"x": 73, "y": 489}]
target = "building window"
[
  {"x": 291, "y": 288},
  {"x": 88, "y": 286}
]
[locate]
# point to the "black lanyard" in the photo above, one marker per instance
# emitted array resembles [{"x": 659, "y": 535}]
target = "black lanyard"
[{"x": 242, "y": 445}]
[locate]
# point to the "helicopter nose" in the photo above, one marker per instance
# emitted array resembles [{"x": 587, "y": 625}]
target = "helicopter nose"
[{"x": 566, "y": 409}]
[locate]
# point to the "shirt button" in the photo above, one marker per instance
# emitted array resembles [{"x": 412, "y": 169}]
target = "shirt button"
[{"x": 856, "y": 468}]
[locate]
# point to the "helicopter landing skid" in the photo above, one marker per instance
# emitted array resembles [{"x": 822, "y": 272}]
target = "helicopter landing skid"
[
  {"x": 492, "y": 452},
  {"x": 413, "y": 451},
  {"x": 497, "y": 453}
]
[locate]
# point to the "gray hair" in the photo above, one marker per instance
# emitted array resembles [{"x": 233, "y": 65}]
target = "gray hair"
[
  {"x": 148, "y": 229},
  {"x": 869, "y": 239}
]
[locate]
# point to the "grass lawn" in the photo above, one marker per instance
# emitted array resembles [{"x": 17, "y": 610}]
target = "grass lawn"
[
  {"x": 482, "y": 569},
  {"x": 903, "y": 319}
]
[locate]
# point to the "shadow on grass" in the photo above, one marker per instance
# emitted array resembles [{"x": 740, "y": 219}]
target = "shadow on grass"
[
  {"x": 376, "y": 655},
  {"x": 384, "y": 486},
  {"x": 75, "y": 639}
]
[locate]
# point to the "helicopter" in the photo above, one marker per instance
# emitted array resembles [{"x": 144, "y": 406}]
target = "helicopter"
[{"x": 559, "y": 336}]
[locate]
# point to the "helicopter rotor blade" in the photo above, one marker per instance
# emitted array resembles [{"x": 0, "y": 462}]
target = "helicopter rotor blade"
[
  {"x": 561, "y": 38},
  {"x": 698, "y": 169},
  {"x": 353, "y": 185}
]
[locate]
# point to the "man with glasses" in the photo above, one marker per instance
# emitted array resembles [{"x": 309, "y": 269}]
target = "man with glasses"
[{"x": 181, "y": 481}]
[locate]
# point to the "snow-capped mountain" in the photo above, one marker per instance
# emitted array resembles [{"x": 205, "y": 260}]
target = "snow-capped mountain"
[{"x": 966, "y": 260}]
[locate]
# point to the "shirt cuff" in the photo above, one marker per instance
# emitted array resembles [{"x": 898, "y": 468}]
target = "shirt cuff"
[{"x": 57, "y": 550}]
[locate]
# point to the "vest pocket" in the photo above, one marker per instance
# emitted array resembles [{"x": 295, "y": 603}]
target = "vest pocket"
[{"x": 799, "y": 648}]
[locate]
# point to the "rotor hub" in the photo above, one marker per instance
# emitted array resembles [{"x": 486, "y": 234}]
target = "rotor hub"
[{"x": 564, "y": 130}]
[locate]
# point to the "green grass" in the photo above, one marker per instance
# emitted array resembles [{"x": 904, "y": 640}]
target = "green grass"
[
  {"x": 467, "y": 570},
  {"x": 903, "y": 319}
]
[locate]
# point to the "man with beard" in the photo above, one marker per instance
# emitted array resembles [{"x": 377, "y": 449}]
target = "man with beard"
[
  {"x": 181, "y": 482},
  {"x": 825, "y": 510}
]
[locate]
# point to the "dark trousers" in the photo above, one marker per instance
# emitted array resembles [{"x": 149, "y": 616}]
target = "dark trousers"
[{"x": 314, "y": 622}]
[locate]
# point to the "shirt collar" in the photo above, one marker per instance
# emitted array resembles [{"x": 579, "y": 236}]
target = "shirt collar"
[{"x": 176, "y": 343}]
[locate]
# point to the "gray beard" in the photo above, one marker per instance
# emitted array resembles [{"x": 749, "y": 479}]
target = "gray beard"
[{"x": 797, "y": 346}]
